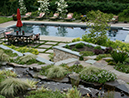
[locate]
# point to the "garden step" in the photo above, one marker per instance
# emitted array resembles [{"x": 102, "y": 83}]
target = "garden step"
[
  {"x": 40, "y": 59},
  {"x": 39, "y": 67},
  {"x": 14, "y": 51},
  {"x": 66, "y": 61}
]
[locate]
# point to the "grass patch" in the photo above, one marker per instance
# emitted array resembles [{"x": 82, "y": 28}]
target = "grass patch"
[{"x": 5, "y": 19}]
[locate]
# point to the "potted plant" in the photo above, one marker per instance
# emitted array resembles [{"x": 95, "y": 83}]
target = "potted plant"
[{"x": 14, "y": 17}]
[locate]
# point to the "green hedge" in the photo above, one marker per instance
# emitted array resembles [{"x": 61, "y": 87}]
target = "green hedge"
[{"x": 10, "y": 7}]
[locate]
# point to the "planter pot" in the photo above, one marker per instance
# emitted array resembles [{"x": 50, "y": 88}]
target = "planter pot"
[{"x": 125, "y": 21}]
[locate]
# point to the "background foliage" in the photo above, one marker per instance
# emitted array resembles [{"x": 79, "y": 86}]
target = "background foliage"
[{"x": 8, "y": 7}]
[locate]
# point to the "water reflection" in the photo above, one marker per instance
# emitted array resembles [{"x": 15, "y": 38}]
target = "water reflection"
[
  {"x": 43, "y": 30},
  {"x": 112, "y": 32},
  {"x": 61, "y": 31}
]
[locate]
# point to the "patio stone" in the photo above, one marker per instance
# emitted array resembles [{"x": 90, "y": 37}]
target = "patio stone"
[
  {"x": 45, "y": 46},
  {"x": 53, "y": 43},
  {"x": 43, "y": 55},
  {"x": 50, "y": 51},
  {"x": 90, "y": 61},
  {"x": 61, "y": 43},
  {"x": 40, "y": 50}
]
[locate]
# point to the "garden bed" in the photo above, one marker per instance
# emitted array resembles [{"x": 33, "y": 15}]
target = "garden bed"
[{"x": 66, "y": 51}]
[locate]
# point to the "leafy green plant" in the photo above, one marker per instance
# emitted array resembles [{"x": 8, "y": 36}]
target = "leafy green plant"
[
  {"x": 25, "y": 49},
  {"x": 2, "y": 96},
  {"x": 122, "y": 67},
  {"x": 93, "y": 74},
  {"x": 86, "y": 53},
  {"x": 44, "y": 93},
  {"x": 12, "y": 86},
  {"x": 99, "y": 28},
  {"x": 98, "y": 47},
  {"x": 67, "y": 46},
  {"x": 100, "y": 56},
  {"x": 10, "y": 53},
  {"x": 74, "y": 49},
  {"x": 8, "y": 73},
  {"x": 88, "y": 45},
  {"x": 73, "y": 93},
  {"x": 51, "y": 56},
  {"x": 56, "y": 72},
  {"x": 119, "y": 56},
  {"x": 79, "y": 45},
  {"x": 44, "y": 70},
  {"x": 76, "y": 39}
]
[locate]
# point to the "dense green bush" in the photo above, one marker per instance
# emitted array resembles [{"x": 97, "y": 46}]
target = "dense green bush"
[
  {"x": 98, "y": 47},
  {"x": 79, "y": 45},
  {"x": 93, "y": 74}
]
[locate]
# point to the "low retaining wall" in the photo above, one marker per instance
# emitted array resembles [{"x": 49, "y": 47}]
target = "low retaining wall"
[{"x": 61, "y": 53}]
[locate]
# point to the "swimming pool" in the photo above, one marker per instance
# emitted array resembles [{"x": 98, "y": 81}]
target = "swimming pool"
[{"x": 74, "y": 31}]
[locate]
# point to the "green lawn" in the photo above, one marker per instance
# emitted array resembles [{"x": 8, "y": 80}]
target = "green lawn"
[{"x": 5, "y": 19}]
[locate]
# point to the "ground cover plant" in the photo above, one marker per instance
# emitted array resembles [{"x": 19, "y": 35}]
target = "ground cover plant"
[
  {"x": 94, "y": 74},
  {"x": 24, "y": 49},
  {"x": 27, "y": 59},
  {"x": 45, "y": 93}
]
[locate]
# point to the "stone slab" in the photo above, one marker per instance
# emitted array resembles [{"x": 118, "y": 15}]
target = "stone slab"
[
  {"x": 53, "y": 43},
  {"x": 90, "y": 61},
  {"x": 67, "y": 61},
  {"x": 45, "y": 46},
  {"x": 40, "y": 50},
  {"x": 50, "y": 51}
]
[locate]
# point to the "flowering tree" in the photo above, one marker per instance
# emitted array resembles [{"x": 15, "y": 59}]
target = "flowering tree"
[
  {"x": 61, "y": 6},
  {"x": 23, "y": 9},
  {"x": 44, "y": 6}
]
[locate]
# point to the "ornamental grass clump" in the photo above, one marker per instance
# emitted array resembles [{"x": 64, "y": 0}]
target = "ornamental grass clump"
[
  {"x": 3, "y": 57},
  {"x": 12, "y": 86},
  {"x": 26, "y": 58},
  {"x": 56, "y": 72},
  {"x": 73, "y": 93},
  {"x": 94, "y": 74}
]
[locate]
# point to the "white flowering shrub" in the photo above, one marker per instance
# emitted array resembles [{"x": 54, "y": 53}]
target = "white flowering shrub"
[
  {"x": 61, "y": 6},
  {"x": 96, "y": 75},
  {"x": 44, "y": 6},
  {"x": 23, "y": 9}
]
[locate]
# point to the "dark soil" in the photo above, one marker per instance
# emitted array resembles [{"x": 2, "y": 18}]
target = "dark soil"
[{"x": 85, "y": 48}]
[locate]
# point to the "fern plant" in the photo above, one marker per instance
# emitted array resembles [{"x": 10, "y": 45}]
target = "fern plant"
[
  {"x": 56, "y": 72},
  {"x": 12, "y": 86}
]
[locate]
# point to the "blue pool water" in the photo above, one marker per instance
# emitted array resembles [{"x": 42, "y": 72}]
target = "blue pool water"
[{"x": 69, "y": 31}]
